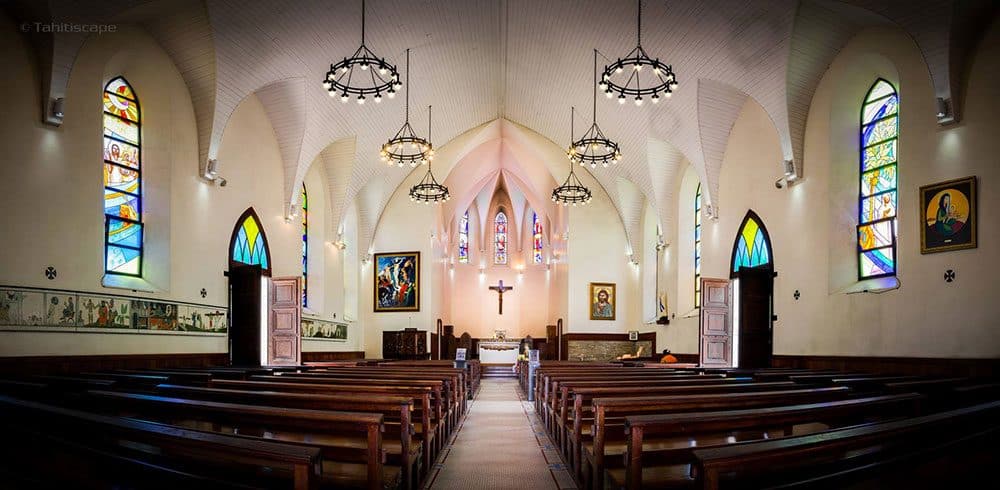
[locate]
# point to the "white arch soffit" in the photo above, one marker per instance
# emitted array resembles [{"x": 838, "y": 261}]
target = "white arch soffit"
[
  {"x": 630, "y": 211},
  {"x": 719, "y": 105},
  {"x": 336, "y": 159},
  {"x": 665, "y": 163},
  {"x": 284, "y": 102}
]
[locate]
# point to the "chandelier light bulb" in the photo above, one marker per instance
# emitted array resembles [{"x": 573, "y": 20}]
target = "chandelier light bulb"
[
  {"x": 608, "y": 94},
  {"x": 378, "y": 98},
  {"x": 361, "y": 100},
  {"x": 621, "y": 99},
  {"x": 673, "y": 85},
  {"x": 667, "y": 94},
  {"x": 391, "y": 93},
  {"x": 364, "y": 66},
  {"x": 638, "y": 101},
  {"x": 327, "y": 84},
  {"x": 331, "y": 93},
  {"x": 656, "y": 99},
  {"x": 381, "y": 70},
  {"x": 638, "y": 67},
  {"x": 344, "y": 97}
]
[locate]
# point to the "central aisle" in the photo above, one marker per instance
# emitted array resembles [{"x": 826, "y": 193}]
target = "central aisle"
[{"x": 501, "y": 445}]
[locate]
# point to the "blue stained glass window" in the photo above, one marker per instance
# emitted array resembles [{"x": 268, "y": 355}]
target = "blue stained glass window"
[
  {"x": 697, "y": 247},
  {"x": 752, "y": 247},
  {"x": 123, "y": 228},
  {"x": 463, "y": 239},
  {"x": 305, "y": 246},
  {"x": 500, "y": 239},
  {"x": 536, "y": 238},
  {"x": 876, "y": 230},
  {"x": 249, "y": 244}
]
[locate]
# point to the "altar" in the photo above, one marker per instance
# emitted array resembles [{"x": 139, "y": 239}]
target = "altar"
[{"x": 499, "y": 349}]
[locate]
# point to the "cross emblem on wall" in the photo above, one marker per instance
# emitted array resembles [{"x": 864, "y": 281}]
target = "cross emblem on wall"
[{"x": 500, "y": 289}]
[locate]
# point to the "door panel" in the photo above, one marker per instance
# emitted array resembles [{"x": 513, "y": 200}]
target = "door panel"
[
  {"x": 715, "y": 323},
  {"x": 244, "y": 311},
  {"x": 284, "y": 339}
]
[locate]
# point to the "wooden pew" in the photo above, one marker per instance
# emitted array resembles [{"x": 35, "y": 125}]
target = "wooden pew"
[
  {"x": 954, "y": 448},
  {"x": 60, "y": 447},
  {"x": 427, "y": 419},
  {"x": 396, "y": 411},
  {"x": 345, "y": 437},
  {"x": 656, "y": 444},
  {"x": 611, "y": 411}
]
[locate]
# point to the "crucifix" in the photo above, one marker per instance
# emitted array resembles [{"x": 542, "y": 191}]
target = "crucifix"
[{"x": 500, "y": 289}]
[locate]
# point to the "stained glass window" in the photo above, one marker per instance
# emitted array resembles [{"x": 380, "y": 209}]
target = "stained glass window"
[
  {"x": 249, "y": 244},
  {"x": 305, "y": 246},
  {"x": 122, "y": 180},
  {"x": 877, "y": 192},
  {"x": 463, "y": 239},
  {"x": 536, "y": 238},
  {"x": 500, "y": 238},
  {"x": 753, "y": 247},
  {"x": 697, "y": 247}
]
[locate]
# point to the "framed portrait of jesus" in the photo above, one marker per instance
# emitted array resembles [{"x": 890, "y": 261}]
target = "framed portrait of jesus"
[{"x": 602, "y": 301}]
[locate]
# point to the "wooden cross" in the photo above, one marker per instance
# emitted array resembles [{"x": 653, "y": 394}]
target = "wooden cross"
[{"x": 500, "y": 289}]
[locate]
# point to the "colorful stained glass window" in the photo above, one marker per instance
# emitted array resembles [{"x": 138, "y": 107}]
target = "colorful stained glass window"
[
  {"x": 249, "y": 244},
  {"x": 877, "y": 191},
  {"x": 463, "y": 239},
  {"x": 305, "y": 246},
  {"x": 697, "y": 247},
  {"x": 753, "y": 247},
  {"x": 536, "y": 238},
  {"x": 122, "y": 180},
  {"x": 500, "y": 238}
]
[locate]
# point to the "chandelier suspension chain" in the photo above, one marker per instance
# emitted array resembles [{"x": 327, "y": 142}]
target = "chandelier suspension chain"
[{"x": 407, "y": 118}]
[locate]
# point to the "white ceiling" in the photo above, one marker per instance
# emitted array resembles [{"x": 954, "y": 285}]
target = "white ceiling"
[{"x": 524, "y": 61}]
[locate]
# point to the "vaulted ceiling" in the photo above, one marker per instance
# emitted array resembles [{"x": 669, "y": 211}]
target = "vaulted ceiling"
[{"x": 520, "y": 61}]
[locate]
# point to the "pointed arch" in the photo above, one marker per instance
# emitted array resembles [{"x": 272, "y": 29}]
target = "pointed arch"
[
  {"x": 501, "y": 243},
  {"x": 123, "y": 228},
  {"x": 879, "y": 133},
  {"x": 697, "y": 247},
  {"x": 752, "y": 247},
  {"x": 537, "y": 242},
  {"x": 248, "y": 244},
  {"x": 305, "y": 245},
  {"x": 463, "y": 238}
]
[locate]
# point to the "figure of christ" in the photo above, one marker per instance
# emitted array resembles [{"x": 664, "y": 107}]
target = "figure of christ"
[{"x": 500, "y": 289}]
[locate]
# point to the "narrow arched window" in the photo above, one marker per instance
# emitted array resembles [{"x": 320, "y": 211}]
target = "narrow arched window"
[
  {"x": 305, "y": 247},
  {"x": 536, "y": 238},
  {"x": 697, "y": 247},
  {"x": 123, "y": 243},
  {"x": 877, "y": 195},
  {"x": 463, "y": 239},
  {"x": 753, "y": 245},
  {"x": 248, "y": 244},
  {"x": 500, "y": 238}
]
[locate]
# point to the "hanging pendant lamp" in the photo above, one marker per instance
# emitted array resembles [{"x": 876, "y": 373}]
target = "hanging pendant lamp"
[
  {"x": 406, "y": 148},
  {"x": 593, "y": 147},
  {"x": 625, "y": 78},
  {"x": 362, "y": 74},
  {"x": 428, "y": 190}
]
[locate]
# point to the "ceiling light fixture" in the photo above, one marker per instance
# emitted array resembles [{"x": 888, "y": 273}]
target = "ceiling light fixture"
[
  {"x": 406, "y": 147},
  {"x": 572, "y": 191},
  {"x": 593, "y": 147},
  {"x": 663, "y": 81},
  {"x": 428, "y": 190},
  {"x": 377, "y": 76}
]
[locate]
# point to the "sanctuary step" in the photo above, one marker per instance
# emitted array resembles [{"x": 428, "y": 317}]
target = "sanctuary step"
[{"x": 498, "y": 371}]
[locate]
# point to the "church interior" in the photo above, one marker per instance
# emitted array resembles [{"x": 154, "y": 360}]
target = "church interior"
[{"x": 499, "y": 244}]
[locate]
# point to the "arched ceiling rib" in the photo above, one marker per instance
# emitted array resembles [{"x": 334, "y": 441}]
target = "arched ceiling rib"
[
  {"x": 285, "y": 104},
  {"x": 718, "y": 107}
]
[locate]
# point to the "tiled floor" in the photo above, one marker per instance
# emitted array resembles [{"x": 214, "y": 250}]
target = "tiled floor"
[{"x": 500, "y": 445}]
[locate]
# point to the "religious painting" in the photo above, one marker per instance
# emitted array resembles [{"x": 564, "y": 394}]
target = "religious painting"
[
  {"x": 948, "y": 215},
  {"x": 20, "y": 308},
  {"x": 105, "y": 312},
  {"x": 397, "y": 282},
  {"x": 602, "y": 301},
  {"x": 323, "y": 330},
  {"x": 151, "y": 315},
  {"x": 198, "y": 319},
  {"x": 61, "y": 310}
]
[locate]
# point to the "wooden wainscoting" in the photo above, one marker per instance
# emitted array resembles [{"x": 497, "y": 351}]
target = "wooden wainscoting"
[
  {"x": 925, "y": 366},
  {"x": 332, "y": 356},
  {"x": 71, "y": 364}
]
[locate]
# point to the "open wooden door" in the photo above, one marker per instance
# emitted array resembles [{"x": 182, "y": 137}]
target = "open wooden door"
[
  {"x": 244, "y": 315},
  {"x": 284, "y": 325},
  {"x": 716, "y": 323},
  {"x": 755, "y": 319}
]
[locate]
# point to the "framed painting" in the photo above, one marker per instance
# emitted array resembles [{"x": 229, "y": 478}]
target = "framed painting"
[
  {"x": 948, "y": 215},
  {"x": 397, "y": 282},
  {"x": 602, "y": 301}
]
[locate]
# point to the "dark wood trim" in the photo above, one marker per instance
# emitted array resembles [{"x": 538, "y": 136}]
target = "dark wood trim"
[
  {"x": 611, "y": 337},
  {"x": 923, "y": 366},
  {"x": 72, "y": 364},
  {"x": 332, "y": 356}
]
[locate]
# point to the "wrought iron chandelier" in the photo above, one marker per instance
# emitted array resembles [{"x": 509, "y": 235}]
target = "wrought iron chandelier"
[
  {"x": 572, "y": 191},
  {"x": 623, "y": 76},
  {"x": 406, "y": 147},
  {"x": 375, "y": 75},
  {"x": 428, "y": 190},
  {"x": 593, "y": 147}
]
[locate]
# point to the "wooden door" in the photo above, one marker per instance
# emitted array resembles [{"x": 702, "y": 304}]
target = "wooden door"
[
  {"x": 244, "y": 315},
  {"x": 756, "y": 287},
  {"x": 284, "y": 339},
  {"x": 716, "y": 323}
]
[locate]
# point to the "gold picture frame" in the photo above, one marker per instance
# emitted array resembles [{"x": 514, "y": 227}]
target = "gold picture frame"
[
  {"x": 396, "y": 285},
  {"x": 948, "y": 216},
  {"x": 602, "y": 308}
]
